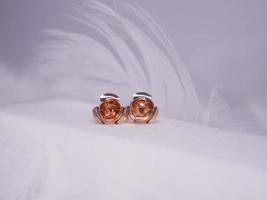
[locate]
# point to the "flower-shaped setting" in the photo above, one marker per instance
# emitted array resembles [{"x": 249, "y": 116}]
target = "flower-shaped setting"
[
  {"x": 109, "y": 110},
  {"x": 141, "y": 109}
]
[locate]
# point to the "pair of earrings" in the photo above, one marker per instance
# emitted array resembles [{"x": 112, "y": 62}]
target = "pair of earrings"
[{"x": 140, "y": 110}]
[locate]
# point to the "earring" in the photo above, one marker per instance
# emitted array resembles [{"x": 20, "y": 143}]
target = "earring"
[
  {"x": 109, "y": 110},
  {"x": 141, "y": 109}
]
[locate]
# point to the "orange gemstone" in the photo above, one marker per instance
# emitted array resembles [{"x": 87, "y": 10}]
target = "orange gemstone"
[
  {"x": 141, "y": 108},
  {"x": 110, "y": 110}
]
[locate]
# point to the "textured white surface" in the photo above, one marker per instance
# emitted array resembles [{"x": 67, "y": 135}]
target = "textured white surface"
[{"x": 54, "y": 150}]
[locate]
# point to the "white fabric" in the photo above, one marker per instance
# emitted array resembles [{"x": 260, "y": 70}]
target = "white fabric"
[{"x": 64, "y": 155}]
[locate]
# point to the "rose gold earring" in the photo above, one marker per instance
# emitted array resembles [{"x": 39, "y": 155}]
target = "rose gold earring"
[
  {"x": 141, "y": 109},
  {"x": 110, "y": 110}
]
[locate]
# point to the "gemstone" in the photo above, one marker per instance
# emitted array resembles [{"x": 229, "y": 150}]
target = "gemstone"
[
  {"x": 141, "y": 108},
  {"x": 110, "y": 109}
]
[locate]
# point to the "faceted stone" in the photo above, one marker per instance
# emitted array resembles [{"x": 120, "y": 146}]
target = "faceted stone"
[
  {"x": 141, "y": 109},
  {"x": 110, "y": 109}
]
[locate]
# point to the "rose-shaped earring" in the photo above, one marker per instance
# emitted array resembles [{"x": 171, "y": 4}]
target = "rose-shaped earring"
[
  {"x": 109, "y": 110},
  {"x": 141, "y": 109}
]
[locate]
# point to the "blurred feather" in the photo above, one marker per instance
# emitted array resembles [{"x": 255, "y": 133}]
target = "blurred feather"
[{"x": 130, "y": 58}]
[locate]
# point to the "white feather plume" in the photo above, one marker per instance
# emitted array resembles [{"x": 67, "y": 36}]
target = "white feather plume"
[{"x": 125, "y": 55}]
